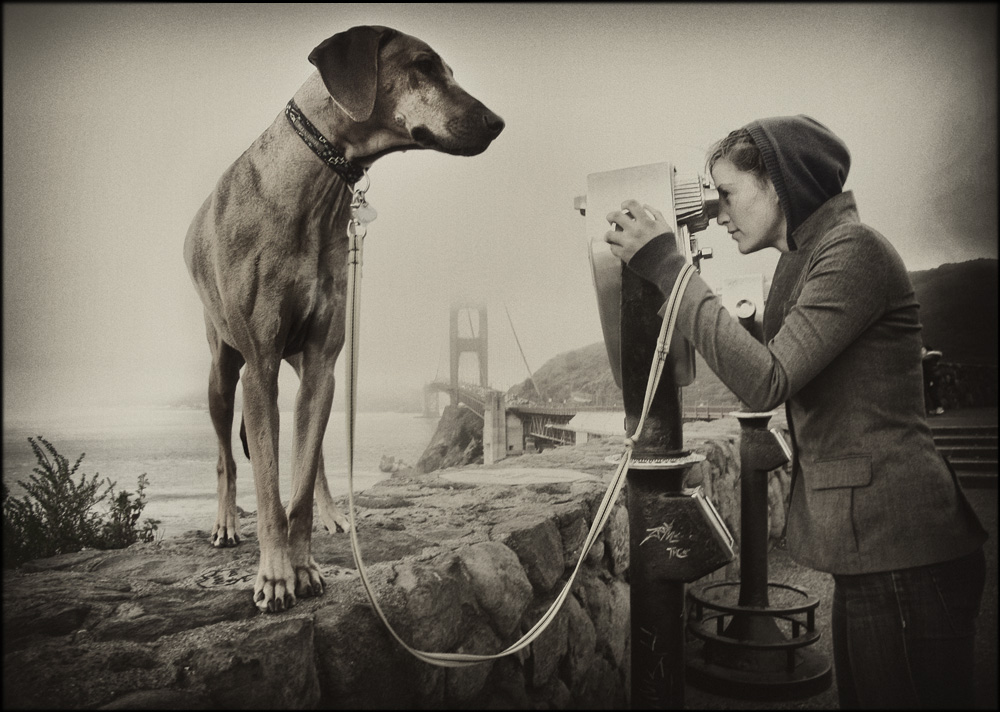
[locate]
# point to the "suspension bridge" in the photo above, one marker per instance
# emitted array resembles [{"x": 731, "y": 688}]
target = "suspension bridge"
[{"x": 484, "y": 364}]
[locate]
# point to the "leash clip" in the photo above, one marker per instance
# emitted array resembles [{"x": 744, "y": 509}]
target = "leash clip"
[
  {"x": 361, "y": 210},
  {"x": 362, "y": 213}
]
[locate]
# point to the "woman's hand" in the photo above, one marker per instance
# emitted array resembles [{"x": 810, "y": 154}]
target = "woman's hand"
[{"x": 632, "y": 227}]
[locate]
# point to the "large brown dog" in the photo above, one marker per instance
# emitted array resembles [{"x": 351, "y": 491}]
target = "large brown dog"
[{"x": 267, "y": 253}]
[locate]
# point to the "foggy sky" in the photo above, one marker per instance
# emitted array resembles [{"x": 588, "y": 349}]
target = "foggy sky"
[{"x": 119, "y": 119}]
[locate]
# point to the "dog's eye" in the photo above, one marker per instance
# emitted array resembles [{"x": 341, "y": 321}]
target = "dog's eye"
[{"x": 425, "y": 65}]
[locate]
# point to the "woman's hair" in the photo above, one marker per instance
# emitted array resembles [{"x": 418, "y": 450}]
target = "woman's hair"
[{"x": 739, "y": 149}]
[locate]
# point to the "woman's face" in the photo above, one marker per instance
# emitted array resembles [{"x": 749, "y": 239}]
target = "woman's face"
[{"x": 749, "y": 211}]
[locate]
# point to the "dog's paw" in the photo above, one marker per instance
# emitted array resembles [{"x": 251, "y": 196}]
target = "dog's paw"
[
  {"x": 333, "y": 519},
  {"x": 338, "y": 527},
  {"x": 226, "y": 531},
  {"x": 274, "y": 590},
  {"x": 309, "y": 580},
  {"x": 222, "y": 539}
]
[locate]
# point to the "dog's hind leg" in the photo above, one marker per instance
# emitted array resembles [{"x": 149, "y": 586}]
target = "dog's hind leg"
[
  {"x": 312, "y": 413},
  {"x": 329, "y": 513},
  {"x": 222, "y": 380}
]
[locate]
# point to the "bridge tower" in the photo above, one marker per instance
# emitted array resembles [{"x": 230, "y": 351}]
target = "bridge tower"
[{"x": 471, "y": 315}]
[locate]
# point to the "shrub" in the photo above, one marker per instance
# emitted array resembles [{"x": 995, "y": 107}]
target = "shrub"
[{"x": 59, "y": 515}]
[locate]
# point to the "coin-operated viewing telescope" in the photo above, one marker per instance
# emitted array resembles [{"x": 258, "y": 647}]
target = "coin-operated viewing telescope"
[{"x": 675, "y": 535}]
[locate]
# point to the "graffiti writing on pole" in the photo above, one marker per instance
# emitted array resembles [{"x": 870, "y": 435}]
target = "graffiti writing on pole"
[{"x": 666, "y": 533}]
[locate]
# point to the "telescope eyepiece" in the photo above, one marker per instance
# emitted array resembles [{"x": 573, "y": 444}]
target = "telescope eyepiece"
[{"x": 695, "y": 203}]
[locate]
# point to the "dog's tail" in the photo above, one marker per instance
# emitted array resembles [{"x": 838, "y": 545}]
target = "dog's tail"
[{"x": 243, "y": 436}]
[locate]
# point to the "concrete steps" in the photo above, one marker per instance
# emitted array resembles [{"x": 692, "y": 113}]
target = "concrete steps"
[{"x": 971, "y": 450}]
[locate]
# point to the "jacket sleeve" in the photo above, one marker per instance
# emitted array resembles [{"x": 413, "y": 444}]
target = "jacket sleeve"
[{"x": 843, "y": 294}]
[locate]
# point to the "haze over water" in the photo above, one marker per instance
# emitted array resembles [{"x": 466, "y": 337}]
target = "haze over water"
[{"x": 177, "y": 449}]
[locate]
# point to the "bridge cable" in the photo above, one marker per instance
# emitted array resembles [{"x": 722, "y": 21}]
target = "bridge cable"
[{"x": 531, "y": 376}]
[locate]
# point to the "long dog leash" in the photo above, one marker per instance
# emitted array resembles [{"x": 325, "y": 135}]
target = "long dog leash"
[{"x": 362, "y": 214}]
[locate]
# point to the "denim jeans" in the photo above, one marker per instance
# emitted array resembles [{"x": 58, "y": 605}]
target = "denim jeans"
[{"x": 904, "y": 639}]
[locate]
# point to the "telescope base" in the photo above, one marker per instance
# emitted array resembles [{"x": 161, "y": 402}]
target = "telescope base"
[
  {"x": 811, "y": 676},
  {"x": 751, "y": 657}
]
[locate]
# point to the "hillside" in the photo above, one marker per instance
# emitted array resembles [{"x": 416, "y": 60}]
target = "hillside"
[
  {"x": 958, "y": 309},
  {"x": 584, "y": 377}
]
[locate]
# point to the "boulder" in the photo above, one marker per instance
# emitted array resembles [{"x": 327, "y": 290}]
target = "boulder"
[
  {"x": 499, "y": 582},
  {"x": 536, "y": 541},
  {"x": 457, "y": 441}
]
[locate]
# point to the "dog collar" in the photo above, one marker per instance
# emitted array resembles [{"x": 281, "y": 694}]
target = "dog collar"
[{"x": 321, "y": 146}]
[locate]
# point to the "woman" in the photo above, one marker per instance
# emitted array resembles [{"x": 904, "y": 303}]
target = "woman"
[{"x": 872, "y": 501}]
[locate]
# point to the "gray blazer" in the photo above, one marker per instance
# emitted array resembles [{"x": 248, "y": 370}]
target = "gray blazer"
[{"x": 869, "y": 490}]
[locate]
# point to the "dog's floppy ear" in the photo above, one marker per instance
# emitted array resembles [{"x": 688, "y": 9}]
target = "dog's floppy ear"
[{"x": 348, "y": 63}]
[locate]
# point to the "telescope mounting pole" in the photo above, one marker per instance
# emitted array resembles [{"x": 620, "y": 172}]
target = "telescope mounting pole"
[{"x": 656, "y": 599}]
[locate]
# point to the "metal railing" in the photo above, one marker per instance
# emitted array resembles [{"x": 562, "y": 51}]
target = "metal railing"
[{"x": 707, "y": 412}]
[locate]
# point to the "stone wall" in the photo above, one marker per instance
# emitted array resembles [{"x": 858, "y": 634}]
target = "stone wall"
[
  {"x": 461, "y": 561},
  {"x": 482, "y": 597}
]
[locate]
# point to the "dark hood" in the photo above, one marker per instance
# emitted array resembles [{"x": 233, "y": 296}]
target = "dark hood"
[{"x": 807, "y": 164}]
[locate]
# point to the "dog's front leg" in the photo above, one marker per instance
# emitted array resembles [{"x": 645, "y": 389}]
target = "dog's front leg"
[{"x": 274, "y": 589}]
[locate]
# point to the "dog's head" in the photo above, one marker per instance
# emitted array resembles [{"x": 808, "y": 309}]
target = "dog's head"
[{"x": 382, "y": 75}]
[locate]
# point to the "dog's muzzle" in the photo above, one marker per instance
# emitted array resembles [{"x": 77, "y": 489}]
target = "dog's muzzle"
[{"x": 468, "y": 137}]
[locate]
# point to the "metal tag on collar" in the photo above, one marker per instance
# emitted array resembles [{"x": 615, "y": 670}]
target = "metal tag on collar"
[
  {"x": 363, "y": 213},
  {"x": 361, "y": 210}
]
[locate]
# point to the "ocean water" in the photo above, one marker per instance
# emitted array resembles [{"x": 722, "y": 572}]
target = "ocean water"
[{"x": 177, "y": 450}]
